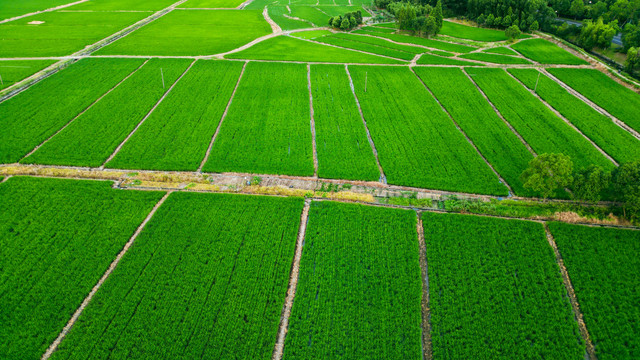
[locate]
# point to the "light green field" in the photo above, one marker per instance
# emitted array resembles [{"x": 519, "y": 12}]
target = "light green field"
[
  {"x": 545, "y": 52},
  {"x": 13, "y": 8},
  {"x": 210, "y": 4},
  {"x": 12, "y": 72},
  {"x": 203, "y": 32},
  {"x": 311, "y": 34},
  {"x": 118, "y": 5},
  {"x": 470, "y": 32},
  {"x": 495, "y": 58}
]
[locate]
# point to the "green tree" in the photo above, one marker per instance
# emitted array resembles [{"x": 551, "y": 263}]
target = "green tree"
[
  {"x": 589, "y": 183},
  {"x": 437, "y": 14},
  {"x": 506, "y": 22},
  {"x": 633, "y": 59},
  {"x": 345, "y": 24},
  {"x": 430, "y": 26},
  {"x": 512, "y": 32},
  {"x": 626, "y": 184},
  {"x": 353, "y": 22},
  {"x": 490, "y": 20},
  {"x": 577, "y": 8},
  {"x": 337, "y": 21},
  {"x": 547, "y": 173},
  {"x": 534, "y": 26}
]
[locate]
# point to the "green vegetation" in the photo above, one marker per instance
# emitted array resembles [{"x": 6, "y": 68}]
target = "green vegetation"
[
  {"x": 94, "y": 135},
  {"x": 430, "y": 43},
  {"x": 11, "y": 9},
  {"x": 176, "y": 135},
  {"x": 430, "y": 59},
  {"x": 373, "y": 29},
  {"x": 545, "y": 52},
  {"x": 497, "y": 143},
  {"x": 539, "y": 126},
  {"x": 470, "y": 32},
  {"x": 619, "y": 101},
  {"x": 346, "y": 21},
  {"x": 119, "y": 5},
  {"x": 207, "y": 278},
  {"x": 500, "y": 50},
  {"x": 310, "y": 35},
  {"x": 362, "y": 46},
  {"x": 418, "y": 145},
  {"x": 32, "y": 116},
  {"x": 618, "y": 143},
  {"x": 211, "y": 4},
  {"x": 202, "y": 32},
  {"x": 602, "y": 264},
  {"x": 359, "y": 288},
  {"x": 57, "y": 237},
  {"x": 495, "y": 58},
  {"x": 548, "y": 173},
  {"x": 61, "y": 33},
  {"x": 286, "y": 48},
  {"x": 267, "y": 129},
  {"x": 13, "y": 72},
  {"x": 309, "y": 13},
  {"x": 277, "y": 14},
  {"x": 343, "y": 149},
  {"x": 496, "y": 290},
  {"x": 382, "y": 42}
]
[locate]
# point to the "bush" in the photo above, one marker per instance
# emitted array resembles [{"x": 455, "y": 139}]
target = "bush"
[{"x": 512, "y": 32}]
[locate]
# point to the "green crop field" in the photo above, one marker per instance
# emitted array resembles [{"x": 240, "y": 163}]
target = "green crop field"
[
  {"x": 361, "y": 46},
  {"x": 430, "y": 43},
  {"x": 495, "y": 58},
  {"x": 382, "y": 42},
  {"x": 418, "y": 145},
  {"x": 57, "y": 238},
  {"x": 311, "y": 14},
  {"x": 496, "y": 291},
  {"x": 13, "y": 72},
  {"x": 211, "y": 4},
  {"x": 539, "y": 126},
  {"x": 374, "y": 29},
  {"x": 545, "y": 52},
  {"x": 11, "y": 9},
  {"x": 276, "y": 13},
  {"x": 204, "y": 32},
  {"x": 618, "y": 143},
  {"x": 268, "y": 127},
  {"x": 430, "y": 59},
  {"x": 208, "y": 275},
  {"x": 343, "y": 149},
  {"x": 603, "y": 267},
  {"x": 176, "y": 137},
  {"x": 122, "y": 5},
  {"x": 490, "y": 134},
  {"x": 500, "y": 50},
  {"x": 380, "y": 291},
  {"x": 472, "y": 33},
  {"x": 602, "y": 90},
  {"x": 113, "y": 118},
  {"x": 34, "y": 115}
]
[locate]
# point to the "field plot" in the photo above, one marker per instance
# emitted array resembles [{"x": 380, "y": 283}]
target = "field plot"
[
  {"x": 57, "y": 238},
  {"x": 496, "y": 291},
  {"x": 500, "y": 50},
  {"x": 311, "y": 14},
  {"x": 32, "y": 116},
  {"x": 430, "y": 59},
  {"x": 539, "y": 126},
  {"x": 177, "y": 134},
  {"x": 359, "y": 289},
  {"x": 545, "y": 52},
  {"x": 343, "y": 149},
  {"x": 603, "y": 266},
  {"x": 207, "y": 278},
  {"x": 618, "y": 143},
  {"x": 61, "y": 33},
  {"x": 363, "y": 46},
  {"x": 211, "y": 4},
  {"x": 202, "y": 32},
  {"x": 373, "y": 29},
  {"x": 418, "y": 145},
  {"x": 11, "y": 9},
  {"x": 434, "y": 44},
  {"x": 286, "y": 48},
  {"x": 382, "y": 42},
  {"x": 277, "y": 14},
  {"x": 120, "y": 5},
  {"x": 602, "y": 90},
  {"x": 499, "y": 145},
  {"x": 333, "y": 10},
  {"x": 13, "y": 72},
  {"x": 495, "y": 58},
  {"x": 268, "y": 127},
  {"x": 94, "y": 135},
  {"x": 310, "y": 35},
  {"x": 471, "y": 32}
]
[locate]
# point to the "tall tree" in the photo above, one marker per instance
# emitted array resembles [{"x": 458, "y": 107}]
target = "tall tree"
[
  {"x": 548, "y": 173},
  {"x": 589, "y": 183},
  {"x": 626, "y": 183},
  {"x": 437, "y": 14}
]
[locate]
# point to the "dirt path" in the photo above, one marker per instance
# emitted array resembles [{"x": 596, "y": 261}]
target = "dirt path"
[
  {"x": 42, "y": 11},
  {"x": 104, "y": 277},
  {"x": 383, "y": 178},
  {"x": 224, "y": 115},
  {"x": 275, "y": 28},
  {"x": 427, "y": 353},
  {"x": 503, "y": 181},
  {"x": 313, "y": 124},
  {"x": 85, "y": 110},
  {"x": 293, "y": 283},
  {"x": 146, "y": 117},
  {"x": 244, "y": 4},
  {"x": 591, "y": 355}
]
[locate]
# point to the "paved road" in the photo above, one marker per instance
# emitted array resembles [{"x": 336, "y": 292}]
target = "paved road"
[{"x": 617, "y": 39}]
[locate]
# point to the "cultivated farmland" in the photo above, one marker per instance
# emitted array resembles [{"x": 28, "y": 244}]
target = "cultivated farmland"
[
  {"x": 545, "y": 52},
  {"x": 12, "y": 72}
]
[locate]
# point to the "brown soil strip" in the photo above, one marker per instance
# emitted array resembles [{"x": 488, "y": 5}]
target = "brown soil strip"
[
  {"x": 104, "y": 277},
  {"x": 275, "y": 28},
  {"x": 464, "y": 134},
  {"x": 84, "y": 111},
  {"x": 293, "y": 284},
  {"x": 313, "y": 124},
  {"x": 146, "y": 117},
  {"x": 383, "y": 178},
  {"x": 500, "y": 115},
  {"x": 42, "y": 11},
  {"x": 557, "y": 113},
  {"x": 427, "y": 353},
  {"x": 591, "y": 355},
  {"x": 596, "y": 107},
  {"x": 224, "y": 115}
]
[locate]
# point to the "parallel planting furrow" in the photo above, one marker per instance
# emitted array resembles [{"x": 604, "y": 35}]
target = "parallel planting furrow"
[
  {"x": 57, "y": 238},
  {"x": 362, "y": 46},
  {"x": 618, "y": 143},
  {"x": 381, "y": 42},
  {"x": 267, "y": 128},
  {"x": 490, "y": 134},
  {"x": 341, "y": 140},
  {"x": 34, "y": 115},
  {"x": 359, "y": 290},
  {"x": 434, "y": 44},
  {"x": 538, "y": 125},
  {"x": 176, "y": 135},
  {"x": 496, "y": 291},
  {"x": 91, "y": 138},
  {"x": 207, "y": 278},
  {"x": 417, "y": 143}
]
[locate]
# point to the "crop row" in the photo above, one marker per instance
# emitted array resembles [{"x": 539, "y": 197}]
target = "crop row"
[
  {"x": 435, "y": 44},
  {"x": 382, "y": 42},
  {"x": 495, "y": 58},
  {"x": 362, "y": 46},
  {"x": 431, "y": 59},
  {"x": 545, "y": 52}
]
